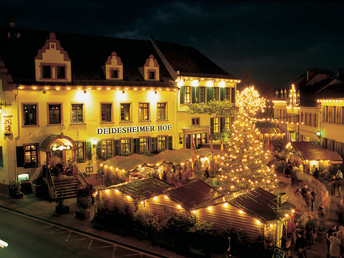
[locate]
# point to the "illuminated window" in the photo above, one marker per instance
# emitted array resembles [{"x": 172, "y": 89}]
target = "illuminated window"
[
  {"x": 125, "y": 112},
  {"x": 77, "y": 113},
  {"x": 161, "y": 112},
  {"x": 201, "y": 94},
  {"x": 106, "y": 149},
  {"x": 162, "y": 143},
  {"x": 204, "y": 138},
  {"x": 46, "y": 71},
  {"x": 215, "y": 124},
  {"x": 30, "y": 114},
  {"x": 187, "y": 94},
  {"x": 30, "y": 154},
  {"x": 80, "y": 152},
  {"x": 55, "y": 114},
  {"x": 125, "y": 147},
  {"x": 216, "y": 93},
  {"x": 144, "y": 111},
  {"x": 106, "y": 112},
  {"x": 144, "y": 145},
  {"x": 227, "y": 123},
  {"x": 61, "y": 72}
]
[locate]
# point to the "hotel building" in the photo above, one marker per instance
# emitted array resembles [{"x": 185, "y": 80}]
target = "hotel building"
[{"x": 87, "y": 98}]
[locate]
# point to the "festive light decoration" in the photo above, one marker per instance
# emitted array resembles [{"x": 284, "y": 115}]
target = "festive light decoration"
[{"x": 245, "y": 165}]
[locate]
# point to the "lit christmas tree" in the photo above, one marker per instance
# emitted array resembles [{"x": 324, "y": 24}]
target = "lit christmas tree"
[{"x": 245, "y": 164}]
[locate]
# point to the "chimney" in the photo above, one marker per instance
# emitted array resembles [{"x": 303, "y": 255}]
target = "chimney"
[{"x": 12, "y": 33}]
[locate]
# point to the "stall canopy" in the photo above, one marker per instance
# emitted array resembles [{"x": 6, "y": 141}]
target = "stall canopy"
[
  {"x": 194, "y": 195},
  {"x": 313, "y": 151},
  {"x": 175, "y": 156},
  {"x": 259, "y": 203}
]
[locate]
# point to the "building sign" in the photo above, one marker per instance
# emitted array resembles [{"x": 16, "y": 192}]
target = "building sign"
[
  {"x": 7, "y": 125},
  {"x": 61, "y": 148},
  {"x": 133, "y": 129}
]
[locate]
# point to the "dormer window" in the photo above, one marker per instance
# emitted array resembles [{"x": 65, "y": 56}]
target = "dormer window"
[
  {"x": 151, "y": 75},
  {"x": 114, "y": 74},
  {"x": 52, "y": 62},
  {"x": 151, "y": 69},
  {"x": 114, "y": 67},
  {"x": 61, "y": 72},
  {"x": 46, "y": 71}
]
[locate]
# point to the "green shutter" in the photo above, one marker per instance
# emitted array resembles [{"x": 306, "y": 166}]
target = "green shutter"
[
  {"x": 99, "y": 149},
  {"x": 222, "y": 124},
  {"x": 154, "y": 144},
  {"x": 1, "y": 158},
  {"x": 193, "y": 94},
  {"x": 222, "y": 93},
  {"x": 182, "y": 92},
  {"x": 89, "y": 150},
  {"x": 197, "y": 94},
  {"x": 20, "y": 156},
  {"x": 136, "y": 145},
  {"x": 210, "y": 93},
  {"x": 233, "y": 95}
]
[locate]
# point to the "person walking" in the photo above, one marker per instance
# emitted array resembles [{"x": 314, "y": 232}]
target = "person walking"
[
  {"x": 313, "y": 193},
  {"x": 300, "y": 245},
  {"x": 330, "y": 233}
]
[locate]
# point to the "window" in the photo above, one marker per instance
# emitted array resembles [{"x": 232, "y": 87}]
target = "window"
[
  {"x": 162, "y": 143},
  {"x": 161, "y": 112},
  {"x": 204, "y": 138},
  {"x": 227, "y": 123},
  {"x": 80, "y": 152},
  {"x": 216, "y": 125},
  {"x": 77, "y": 113},
  {"x": 187, "y": 94},
  {"x": 30, "y": 155},
  {"x": 125, "y": 112},
  {"x": 106, "y": 112},
  {"x": 310, "y": 119},
  {"x": 216, "y": 93},
  {"x": 30, "y": 114},
  {"x": 144, "y": 145},
  {"x": 201, "y": 94},
  {"x": 61, "y": 72},
  {"x": 144, "y": 111},
  {"x": 306, "y": 115},
  {"x": 106, "y": 149},
  {"x": 46, "y": 71},
  {"x": 1, "y": 158},
  {"x": 151, "y": 75},
  {"x": 114, "y": 74},
  {"x": 125, "y": 147},
  {"x": 55, "y": 114},
  {"x": 195, "y": 121},
  {"x": 315, "y": 121}
]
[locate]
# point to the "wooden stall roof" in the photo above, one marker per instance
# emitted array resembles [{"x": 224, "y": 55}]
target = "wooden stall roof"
[
  {"x": 269, "y": 130},
  {"x": 311, "y": 151},
  {"x": 144, "y": 188},
  {"x": 194, "y": 195},
  {"x": 259, "y": 203}
]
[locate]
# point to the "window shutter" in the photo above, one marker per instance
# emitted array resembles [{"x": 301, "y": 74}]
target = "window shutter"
[
  {"x": 20, "y": 156},
  {"x": 182, "y": 95},
  {"x": 233, "y": 95},
  {"x": 193, "y": 94},
  {"x": 212, "y": 125},
  {"x": 89, "y": 150},
  {"x": 136, "y": 145},
  {"x": 99, "y": 149},
  {"x": 222, "y": 124},
  {"x": 170, "y": 142},
  {"x": 117, "y": 149},
  {"x": 222, "y": 93},
  {"x": 1, "y": 158},
  {"x": 210, "y": 93},
  {"x": 154, "y": 144},
  {"x": 197, "y": 94}
]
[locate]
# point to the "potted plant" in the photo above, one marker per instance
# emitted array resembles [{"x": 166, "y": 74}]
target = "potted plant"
[
  {"x": 84, "y": 202},
  {"x": 15, "y": 190}
]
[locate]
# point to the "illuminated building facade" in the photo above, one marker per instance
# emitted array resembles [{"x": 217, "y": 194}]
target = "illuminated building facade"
[
  {"x": 85, "y": 98},
  {"x": 317, "y": 114}
]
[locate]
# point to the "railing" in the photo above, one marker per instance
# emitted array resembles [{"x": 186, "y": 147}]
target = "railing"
[
  {"x": 50, "y": 182},
  {"x": 81, "y": 176}
]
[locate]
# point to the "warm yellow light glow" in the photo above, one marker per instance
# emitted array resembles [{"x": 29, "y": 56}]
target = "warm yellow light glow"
[
  {"x": 258, "y": 222},
  {"x": 128, "y": 197},
  {"x": 179, "y": 206},
  {"x": 107, "y": 191},
  {"x": 210, "y": 208},
  {"x": 195, "y": 83},
  {"x": 241, "y": 212},
  {"x": 222, "y": 84},
  {"x": 155, "y": 198},
  {"x": 116, "y": 190}
]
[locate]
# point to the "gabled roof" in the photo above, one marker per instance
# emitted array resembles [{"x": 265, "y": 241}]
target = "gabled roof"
[
  {"x": 194, "y": 195},
  {"x": 144, "y": 188},
  {"x": 89, "y": 54},
  {"x": 258, "y": 202}
]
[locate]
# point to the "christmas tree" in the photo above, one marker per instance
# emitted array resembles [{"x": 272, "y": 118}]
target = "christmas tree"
[{"x": 244, "y": 165}]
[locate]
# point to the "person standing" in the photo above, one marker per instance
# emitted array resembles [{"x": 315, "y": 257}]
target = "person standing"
[
  {"x": 300, "y": 245},
  {"x": 340, "y": 236},
  {"x": 330, "y": 232},
  {"x": 334, "y": 246}
]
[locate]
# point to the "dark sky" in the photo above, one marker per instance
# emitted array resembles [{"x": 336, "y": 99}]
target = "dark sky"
[{"x": 273, "y": 42}]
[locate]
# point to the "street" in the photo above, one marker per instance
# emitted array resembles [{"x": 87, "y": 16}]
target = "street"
[{"x": 28, "y": 237}]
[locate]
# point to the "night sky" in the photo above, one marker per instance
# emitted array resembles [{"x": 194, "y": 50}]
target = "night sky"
[{"x": 270, "y": 43}]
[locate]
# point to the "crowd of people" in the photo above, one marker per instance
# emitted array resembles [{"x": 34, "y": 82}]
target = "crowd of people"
[{"x": 308, "y": 196}]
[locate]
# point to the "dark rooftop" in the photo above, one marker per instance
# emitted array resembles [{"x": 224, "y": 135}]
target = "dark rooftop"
[{"x": 194, "y": 195}]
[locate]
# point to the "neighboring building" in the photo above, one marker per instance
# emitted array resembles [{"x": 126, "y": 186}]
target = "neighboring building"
[
  {"x": 313, "y": 110},
  {"x": 80, "y": 98}
]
